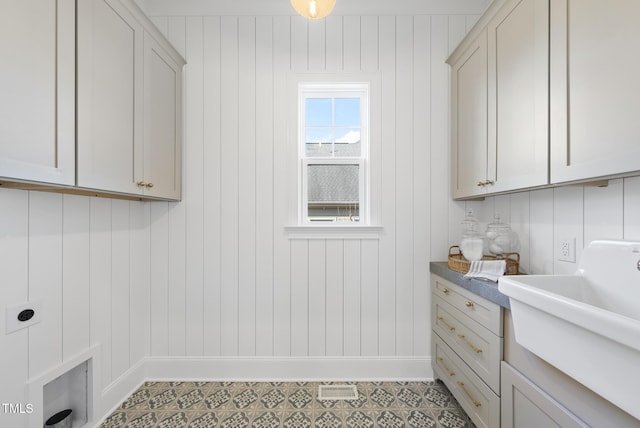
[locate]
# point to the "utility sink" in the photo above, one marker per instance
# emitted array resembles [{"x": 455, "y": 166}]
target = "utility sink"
[{"x": 586, "y": 324}]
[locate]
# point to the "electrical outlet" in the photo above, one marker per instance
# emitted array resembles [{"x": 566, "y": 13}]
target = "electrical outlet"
[{"x": 567, "y": 250}]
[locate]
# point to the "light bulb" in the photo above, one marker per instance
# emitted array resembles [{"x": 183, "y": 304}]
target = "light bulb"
[{"x": 313, "y": 11}]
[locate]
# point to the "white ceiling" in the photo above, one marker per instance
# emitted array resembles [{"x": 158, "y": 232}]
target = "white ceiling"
[{"x": 283, "y": 7}]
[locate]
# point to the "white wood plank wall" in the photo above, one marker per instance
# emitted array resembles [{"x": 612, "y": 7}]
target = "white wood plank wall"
[
  {"x": 215, "y": 275},
  {"x": 543, "y": 217},
  {"x": 87, "y": 260},
  {"x": 245, "y": 289}
]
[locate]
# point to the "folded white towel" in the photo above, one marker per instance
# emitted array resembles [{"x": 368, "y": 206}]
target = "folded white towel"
[{"x": 487, "y": 269}]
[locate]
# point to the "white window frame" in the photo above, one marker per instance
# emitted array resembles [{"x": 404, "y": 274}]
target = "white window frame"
[{"x": 359, "y": 90}]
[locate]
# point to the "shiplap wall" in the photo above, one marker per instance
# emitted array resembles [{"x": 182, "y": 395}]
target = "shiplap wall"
[
  {"x": 226, "y": 280},
  {"x": 543, "y": 217},
  {"x": 87, "y": 261},
  {"x": 215, "y": 275}
]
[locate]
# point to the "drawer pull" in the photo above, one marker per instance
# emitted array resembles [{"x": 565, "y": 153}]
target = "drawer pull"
[
  {"x": 445, "y": 290},
  {"x": 449, "y": 371},
  {"x": 469, "y": 304},
  {"x": 446, "y": 323},
  {"x": 471, "y": 345},
  {"x": 475, "y": 402}
]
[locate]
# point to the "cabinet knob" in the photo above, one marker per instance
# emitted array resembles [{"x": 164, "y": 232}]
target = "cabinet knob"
[
  {"x": 469, "y": 304},
  {"x": 480, "y": 183},
  {"x": 149, "y": 185},
  {"x": 489, "y": 183}
]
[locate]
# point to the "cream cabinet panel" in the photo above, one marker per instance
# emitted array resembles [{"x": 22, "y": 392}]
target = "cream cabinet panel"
[
  {"x": 110, "y": 146},
  {"x": 594, "y": 69},
  {"x": 469, "y": 120},
  {"x": 37, "y": 83},
  {"x": 518, "y": 96},
  {"x": 524, "y": 405},
  {"x": 162, "y": 121}
]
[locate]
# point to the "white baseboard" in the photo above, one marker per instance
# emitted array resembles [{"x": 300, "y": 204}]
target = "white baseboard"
[
  {"x": 289, "y": 368},
  {"x": 114, "y": 394}
]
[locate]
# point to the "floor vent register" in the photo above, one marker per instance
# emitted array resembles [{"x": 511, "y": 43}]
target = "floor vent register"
[{"x": 337, "y": 392}]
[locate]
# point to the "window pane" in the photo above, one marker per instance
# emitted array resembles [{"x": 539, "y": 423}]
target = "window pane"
[
  {"x": 318, "y": 112},
  {"x": 318, "y": 142},
  {"x": 333, "y": 192},
  {"x": 347, "y": 112},
  {"x": 347, "y": 142}
]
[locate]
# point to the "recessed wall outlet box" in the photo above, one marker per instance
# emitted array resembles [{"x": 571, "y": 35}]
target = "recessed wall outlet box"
[
  {"x": 567, "y": 250},
  {"x": 24, "y": 315}
]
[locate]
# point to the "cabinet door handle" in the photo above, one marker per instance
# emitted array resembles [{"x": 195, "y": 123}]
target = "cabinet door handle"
[
  {"x": 142, "y": 184},
  {"x": 481, "y": 184},
  {"x": 449, "y": 371},
  {"x": 471, "y": 345},
  {"x": 149, "y": 185},
  {"x": 469, "y": 304},
  {"x": 446, "y": 323},
  {"x": 489, "y": 183},
  {"x": 474, "y": 401},
  {"x": 445, "y": 290}
]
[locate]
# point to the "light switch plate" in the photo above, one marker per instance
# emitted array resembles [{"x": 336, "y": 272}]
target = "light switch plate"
[{"x": 14, "y": 324}]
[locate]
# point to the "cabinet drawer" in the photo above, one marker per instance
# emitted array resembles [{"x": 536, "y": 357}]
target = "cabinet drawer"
[
  {"x": 476, "y": 398},
  {"x": 478, "y": 347},
  {"x": 475, "y": 307}
]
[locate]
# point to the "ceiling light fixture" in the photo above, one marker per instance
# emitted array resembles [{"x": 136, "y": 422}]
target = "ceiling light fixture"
[{"x": 313, "y": 9}]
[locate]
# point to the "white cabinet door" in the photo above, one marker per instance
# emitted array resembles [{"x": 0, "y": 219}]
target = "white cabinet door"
[
  {"x": 162, "y": 122},
  {"x": 37, "y": 87},
  {"x": 469, "y": 120},
  {"x": 524, "y": 405},
  {"x": 518, "y": 85},
  {"x": 110, "y": 146},
  {"x": 595, "y": 64}
]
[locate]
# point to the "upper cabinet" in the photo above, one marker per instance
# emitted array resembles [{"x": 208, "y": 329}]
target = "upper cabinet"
[
  {"x": 37, "y": 83},
  {"x": 518, "y": 100},
  {"x": 594, "y": 72},
  {"x": 109, "y": 97},
  {"x": 561, "y": 96},
  {"x": 162, "y": 121},
  {"x": 91, "y": 100},
  {"x": 469, "y": 119},
  {"x": 129, "y": 103},
  {"x": 500, "y": 101}
]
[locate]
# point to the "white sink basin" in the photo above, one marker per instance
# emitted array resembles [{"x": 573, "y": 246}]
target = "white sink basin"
[{"x": 586, "y": 324}]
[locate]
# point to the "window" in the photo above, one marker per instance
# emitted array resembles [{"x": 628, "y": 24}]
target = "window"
[{"x": 333, "y": 152}]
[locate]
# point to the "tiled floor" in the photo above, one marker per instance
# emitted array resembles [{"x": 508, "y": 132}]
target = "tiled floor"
[{"x": 289, "y": 405}]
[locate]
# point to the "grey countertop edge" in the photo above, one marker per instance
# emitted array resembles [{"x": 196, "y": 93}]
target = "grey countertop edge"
[{"x": 486, "y": 289}]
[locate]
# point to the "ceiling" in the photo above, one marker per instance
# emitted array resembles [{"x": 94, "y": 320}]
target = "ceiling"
[{"x": 283, "y": 7}]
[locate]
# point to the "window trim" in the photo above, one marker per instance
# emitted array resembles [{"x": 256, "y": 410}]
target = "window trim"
[
  {"x": 293, "y": 230},
  {"x": 361, "y": 90}
]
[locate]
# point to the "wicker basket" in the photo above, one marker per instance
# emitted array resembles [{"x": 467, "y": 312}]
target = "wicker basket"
[{"x": 458, "y": 263}]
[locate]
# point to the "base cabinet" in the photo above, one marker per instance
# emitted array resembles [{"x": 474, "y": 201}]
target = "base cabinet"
[
  {"x": 467, "y": 341},
  {"x": 524, "y": 405}
]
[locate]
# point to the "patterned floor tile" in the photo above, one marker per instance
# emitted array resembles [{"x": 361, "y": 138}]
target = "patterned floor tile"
[{"x": 180, "y": 404}]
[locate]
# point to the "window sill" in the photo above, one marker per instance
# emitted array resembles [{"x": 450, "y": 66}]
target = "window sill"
[{"x": 332, "y": 232}]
